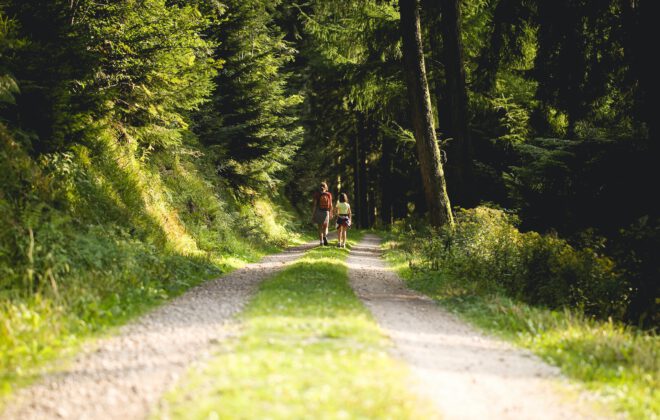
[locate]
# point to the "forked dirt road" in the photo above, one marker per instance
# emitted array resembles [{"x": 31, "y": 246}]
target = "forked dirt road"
[{"x": 466, "y": 374}]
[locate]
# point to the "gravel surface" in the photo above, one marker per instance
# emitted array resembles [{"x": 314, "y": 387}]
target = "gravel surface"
[
  {"x": 124, "y": 376},
  {"x": 466, "y": 374}
]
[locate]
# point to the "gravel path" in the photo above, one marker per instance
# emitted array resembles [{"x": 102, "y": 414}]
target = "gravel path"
[
  {"x": 466, "y": 374},
  {"x": 124, "y": 376}
]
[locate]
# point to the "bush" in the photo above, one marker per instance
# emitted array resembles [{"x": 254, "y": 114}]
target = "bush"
[{"x": 487, "y": 252}]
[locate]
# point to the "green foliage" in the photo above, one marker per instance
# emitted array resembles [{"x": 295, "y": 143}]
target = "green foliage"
[
  {"x": 108, "y": 203},
  {"x": 94, "y": 236},
  {"x": 8, "y": 42},
  {"x": 514, "y": 119},
  {"x": 154, "y": 66},
  {"x": 136, "y": 66},
  {"x": 138, "y": 140},
  {"x": 251, "y": 122},
  {"x": 566, "y": 184},
  {"x": 620, "y": 363},
  {"x": 308, "y": 348},
  {"x": 488, "y": 253}
]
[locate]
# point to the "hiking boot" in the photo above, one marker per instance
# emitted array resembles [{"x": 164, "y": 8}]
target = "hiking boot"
[
  {"x": 325, "y": 240},
  {"x": 338, "y": 245}
]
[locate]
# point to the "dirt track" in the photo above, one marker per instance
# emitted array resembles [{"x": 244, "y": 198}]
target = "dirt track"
[
  {"x": 124, "y": 376},
  {"x": 466, "y": 374}
]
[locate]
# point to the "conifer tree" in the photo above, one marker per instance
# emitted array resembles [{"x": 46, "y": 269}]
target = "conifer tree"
[
  {"x": 251, "y": 121},
  {"x": 428, "y": 150}
]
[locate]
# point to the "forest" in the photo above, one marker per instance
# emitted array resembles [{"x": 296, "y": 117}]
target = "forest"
[{"x": 147, "y": 146}]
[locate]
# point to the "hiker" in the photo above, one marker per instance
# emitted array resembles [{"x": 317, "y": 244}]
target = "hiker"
[
  {"x": 321, "y": 210},
  {"x": 343, "y": 213}
]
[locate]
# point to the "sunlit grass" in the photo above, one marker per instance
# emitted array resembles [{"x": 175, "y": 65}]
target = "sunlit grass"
[
  {"x": 308, "y": 349},
  {"x": 619, "y": 363},
  {"x": 131, "y": 234}
]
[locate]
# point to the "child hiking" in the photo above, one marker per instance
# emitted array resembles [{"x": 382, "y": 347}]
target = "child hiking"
[
  {"x": 343, "y": 212},
  {"x": 321, "y": 210}
]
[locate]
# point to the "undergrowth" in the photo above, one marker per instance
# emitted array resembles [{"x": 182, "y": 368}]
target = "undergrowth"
[
  {"x": 98, "y": 234},
  {"x": 619, "y": 362}
]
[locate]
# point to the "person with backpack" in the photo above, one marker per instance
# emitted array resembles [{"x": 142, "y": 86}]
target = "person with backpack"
[
  {"x": 321, "y": 210},
  {"x": 343, "y": 213}
]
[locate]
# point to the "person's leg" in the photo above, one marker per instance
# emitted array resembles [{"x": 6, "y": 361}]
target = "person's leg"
[
  {"x": 324, "y": 236},
  {"x": 321, "y": 233},
  {"x": 344, "y": 232}
]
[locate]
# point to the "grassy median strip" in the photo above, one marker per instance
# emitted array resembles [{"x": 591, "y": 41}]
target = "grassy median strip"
[
  {"x": 308, "y": 349},
  {"x": 618, "y": 362}
]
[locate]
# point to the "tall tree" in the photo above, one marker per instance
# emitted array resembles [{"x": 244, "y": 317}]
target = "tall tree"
[
  {"x": 428, "y": 151},
  {"x": 453, "y": 103},
  {"x": 251, "y": 121},
  {"x": 138, "y": 67}
]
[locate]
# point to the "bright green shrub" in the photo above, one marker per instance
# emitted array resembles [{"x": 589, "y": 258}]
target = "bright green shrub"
[{"x": 488, "y": 253}]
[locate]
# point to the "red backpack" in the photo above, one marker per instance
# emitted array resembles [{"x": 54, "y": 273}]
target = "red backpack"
[{"x": 325, "y": 201}]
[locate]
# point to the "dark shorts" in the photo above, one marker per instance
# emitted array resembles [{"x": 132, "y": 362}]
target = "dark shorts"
[
  {"x": 321, "y": 217},
  {"x": 343, "y": 221}
]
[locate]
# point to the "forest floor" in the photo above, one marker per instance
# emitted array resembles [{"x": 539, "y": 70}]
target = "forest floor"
[{"x": 303, "y": 339}]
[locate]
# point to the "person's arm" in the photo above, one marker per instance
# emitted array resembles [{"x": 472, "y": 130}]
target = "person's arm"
[{"x": 313, "y": 207}]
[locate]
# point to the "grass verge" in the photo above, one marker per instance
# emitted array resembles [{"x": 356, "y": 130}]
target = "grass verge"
[
  {"x": 96, "y": 236},
  {"x": 308, "y": 349},
  {"x": 41, "y": 334},
  {"x": 619, "y": 363}
]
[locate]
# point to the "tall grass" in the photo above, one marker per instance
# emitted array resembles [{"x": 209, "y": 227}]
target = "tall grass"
[{"x": 98, "y": 234}]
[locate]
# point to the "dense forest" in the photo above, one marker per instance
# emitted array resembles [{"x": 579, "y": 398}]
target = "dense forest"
[
  {"x": 541, "y": 110},
  {"x": 148, "y": 145}
]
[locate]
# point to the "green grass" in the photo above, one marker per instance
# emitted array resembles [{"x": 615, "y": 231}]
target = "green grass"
[
  {"x": 308, "y": 349},
  {"x": 619, "y": 363},
  {"x": 39, "y": 333},
  {"x": 103, "y": 236}
]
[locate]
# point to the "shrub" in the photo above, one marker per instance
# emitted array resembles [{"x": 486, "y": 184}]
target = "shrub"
[{"x": 488, "y": 253}]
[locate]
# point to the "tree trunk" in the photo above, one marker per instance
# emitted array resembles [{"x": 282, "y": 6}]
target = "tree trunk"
[
  {"x": 386, "y": 187},
  {"x": 489, "y": 62},
  {"x": 363, "y": 208},
  {"x": 444, "y": 22},
  {"x": 639, "y": 25},
  {"x": 459, "y": 150},
  {"x": 428, "y": 151},
  {"x": 356, "y": 173}
]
